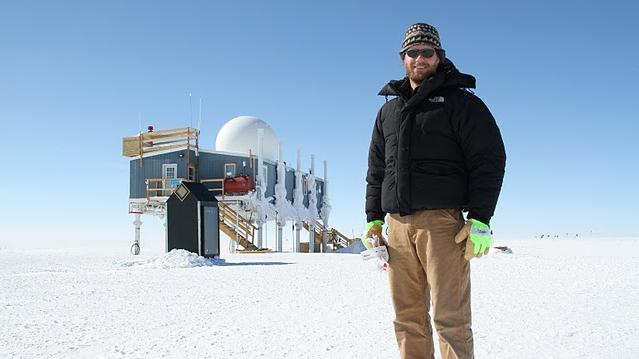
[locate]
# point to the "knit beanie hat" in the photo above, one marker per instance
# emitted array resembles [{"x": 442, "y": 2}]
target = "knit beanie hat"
[{"x": 421, "y": 33}]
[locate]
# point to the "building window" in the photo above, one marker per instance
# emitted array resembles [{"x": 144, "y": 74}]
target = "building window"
[
  {"x": 169, "y": 175},
  {"x": 191, "y": 175},
  {"x": 265, "y": 175},
  {"x": 229, "y": 169},
  {"x": 169, "y": 170}
]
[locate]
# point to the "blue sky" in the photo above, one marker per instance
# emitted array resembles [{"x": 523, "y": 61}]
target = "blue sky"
[{"x": 561, "y": 80}]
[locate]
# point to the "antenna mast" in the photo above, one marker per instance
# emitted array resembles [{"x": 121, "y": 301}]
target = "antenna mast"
[
  {"x": 199, "y": 121},
  {"x": 190, "y": 110}
]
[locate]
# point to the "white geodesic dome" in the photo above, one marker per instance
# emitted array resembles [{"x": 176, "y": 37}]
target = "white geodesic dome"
[{"x": 239, "y": 135}]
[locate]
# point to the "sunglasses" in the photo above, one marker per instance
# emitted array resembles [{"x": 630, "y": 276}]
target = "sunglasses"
[{"x": 426, "y": 53}]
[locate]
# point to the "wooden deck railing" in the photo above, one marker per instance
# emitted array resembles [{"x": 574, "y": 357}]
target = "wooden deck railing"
[{"x": 162, "y": 187}]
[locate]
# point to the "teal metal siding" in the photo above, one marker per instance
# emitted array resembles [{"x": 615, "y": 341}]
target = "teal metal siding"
[{"x": 152, "y": 168}]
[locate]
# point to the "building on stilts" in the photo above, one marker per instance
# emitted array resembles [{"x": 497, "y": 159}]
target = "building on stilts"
[{"x": 248, "y": 176}]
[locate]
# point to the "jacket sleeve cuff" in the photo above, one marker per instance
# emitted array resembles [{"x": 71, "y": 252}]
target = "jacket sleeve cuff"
[
  {"x": 375, "y": 217},
  {"x": 479, "y": 218}
]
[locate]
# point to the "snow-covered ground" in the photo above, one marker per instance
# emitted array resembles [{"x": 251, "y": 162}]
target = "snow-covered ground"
[{"x": 548, "y": 299}]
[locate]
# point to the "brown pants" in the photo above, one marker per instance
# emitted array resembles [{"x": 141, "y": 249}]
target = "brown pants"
[{"x": 426, "y": 265}]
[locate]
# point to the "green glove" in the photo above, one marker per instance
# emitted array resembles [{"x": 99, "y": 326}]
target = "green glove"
[
  {"x": 479, "y": 238},
  {"x": 373, "y": 229}
]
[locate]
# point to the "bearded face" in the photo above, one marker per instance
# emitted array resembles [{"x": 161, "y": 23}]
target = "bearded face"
[{"x": 419, "y": 65}]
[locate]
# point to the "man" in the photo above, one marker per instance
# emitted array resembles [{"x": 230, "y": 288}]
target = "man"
[{"x": 435, "y": 151}]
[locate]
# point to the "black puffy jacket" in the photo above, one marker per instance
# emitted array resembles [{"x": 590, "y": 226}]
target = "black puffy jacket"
[{"x": 436, "y": 148}]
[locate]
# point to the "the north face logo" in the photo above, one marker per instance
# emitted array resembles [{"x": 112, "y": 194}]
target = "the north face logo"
[{"x": 436, "y": 99}]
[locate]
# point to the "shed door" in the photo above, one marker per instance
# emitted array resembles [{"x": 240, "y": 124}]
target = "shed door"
[{"x": 211, "y": 235}]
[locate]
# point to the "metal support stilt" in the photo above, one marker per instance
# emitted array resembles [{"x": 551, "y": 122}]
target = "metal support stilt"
[
  {"x": 135, "y": 248},
  {"x": 166, "y": 234},
  {"x": 260, "y": 228},
  {"x": 298, "y": 228},
  {"x": 280, "y": 231},
  {"x": 311, "y": 237}
]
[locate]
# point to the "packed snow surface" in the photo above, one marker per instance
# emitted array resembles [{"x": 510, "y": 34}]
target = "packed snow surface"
[{"x": 546, "y": 299}]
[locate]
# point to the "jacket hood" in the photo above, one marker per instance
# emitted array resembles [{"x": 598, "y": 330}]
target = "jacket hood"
[{"x": 451, "y": 78}]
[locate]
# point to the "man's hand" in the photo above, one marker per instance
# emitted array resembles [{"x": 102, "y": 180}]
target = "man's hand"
[
  {"x": 477, "y": 236},
  {"x": 375, "y": 244},
  {"x": 373, "y": 231}
]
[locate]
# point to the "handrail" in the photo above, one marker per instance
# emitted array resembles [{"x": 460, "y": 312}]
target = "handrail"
[
  {"x": 342, "y": 239},
  {"x": 319, "y": 228},
  {"x": 230, "y": 220},
  {"x": 334, "y": 235},
  {"x": 227, "y": 216},
  {"x": 163, "y": 183},
  {"x": 160, "y": 140},
  {"x": 230, "y": 216}
]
